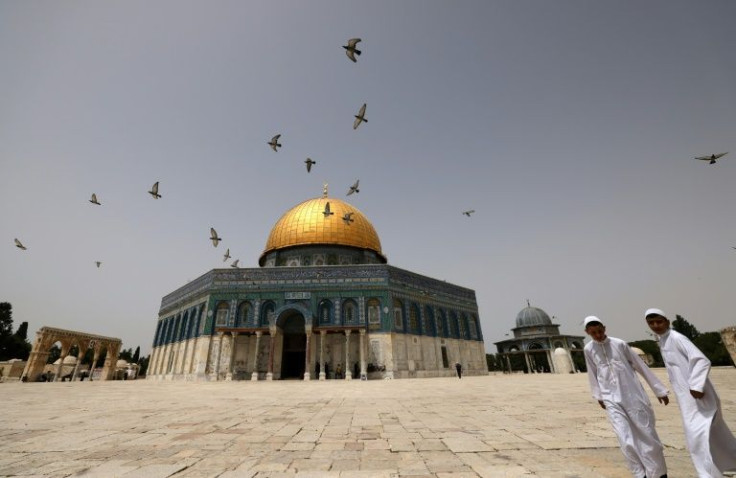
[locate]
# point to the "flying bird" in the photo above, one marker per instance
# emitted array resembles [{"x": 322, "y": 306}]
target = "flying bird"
[
  {"x": 19, "y": 245},
  {"x": 214, "y": 237},
  {"x": 360, "y": 117},
  {"x": 94, "y": 200},
  {"x": 348, "y": 218},
  {"x": 154, "y": 191},
  {"x": 309, "y": 164},
  {"x": 350, "y": 49},
  {"x": 274, "y": 143},
  {"x": 327, "y": 211},
  {"x": 227, "y": 255},
  {"x": 712, "y": 158},
  {"x": 235, "y": 263},
  {"x": 469, "y": 212},
  {"x": 98, "y": 264},
  {"x": 354, "y": 188}
]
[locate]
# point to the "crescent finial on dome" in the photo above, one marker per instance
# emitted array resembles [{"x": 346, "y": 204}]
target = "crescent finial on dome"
[{"x": 324, "y": 190}]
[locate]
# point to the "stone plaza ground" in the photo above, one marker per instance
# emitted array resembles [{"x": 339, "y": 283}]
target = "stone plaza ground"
[{"x": 493, "y": 426}]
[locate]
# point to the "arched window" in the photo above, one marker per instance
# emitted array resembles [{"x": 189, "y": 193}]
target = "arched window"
[
  {"x": 374, "y": 311},
  {"x": 454, "y": 327},
  {"x": 473, "y": 327},
  {"x": 157, "y": 337},
  {"x": 442, "y": 324},
  {"x": 463, "y": 322},
  {"x": 398, "y": 315},
  {"x": 245, "y": 314},
  {"x": 267, "y": 314},
  {"x": 349, "y": 312},
  {"x": 325, "y": 312},
  {"x": 428, "y": 321},
  {"x": 221, "y": 314},
  {"x": 414, "y": 319}
]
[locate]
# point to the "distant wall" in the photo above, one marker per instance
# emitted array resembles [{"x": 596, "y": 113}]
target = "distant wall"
[{"x": 11, "y": 370}]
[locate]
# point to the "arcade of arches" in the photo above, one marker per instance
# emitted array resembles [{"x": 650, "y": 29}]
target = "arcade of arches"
[{"x": 46, "y": 337}]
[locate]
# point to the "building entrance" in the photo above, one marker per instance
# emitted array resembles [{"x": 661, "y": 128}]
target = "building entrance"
[{"x": 294, "y": 347}]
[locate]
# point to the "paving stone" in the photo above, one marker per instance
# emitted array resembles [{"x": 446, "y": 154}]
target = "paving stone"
[{"x": 496, "y": 426}]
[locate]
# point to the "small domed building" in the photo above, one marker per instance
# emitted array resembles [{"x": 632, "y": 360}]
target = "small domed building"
[
  {"x": 323, "y": 304},
  {"x": 538, "y": 346}
]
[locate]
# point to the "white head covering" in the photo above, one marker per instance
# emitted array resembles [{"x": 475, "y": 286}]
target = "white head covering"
[
  {"x": 591, "y": 318},
  {"x": 655, "y": 311}
]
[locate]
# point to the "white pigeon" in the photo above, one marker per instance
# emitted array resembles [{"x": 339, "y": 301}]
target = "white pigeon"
[
  {"x": 350, "y": 49},
  {"x": 348, "y": 218},
  {"x": 19, "y": 245},
  {"x": 227, "y": 255},
  {"x": 310, "y": 162},
  {"x": 214, "y": 237},
  {"x": 94, "y": 200},
  {"x": 235, "y": 263},
  {"x": 154, "y": 191},
  {"x": 360, "y": 117},
  {"x": 469, "y": 212}
]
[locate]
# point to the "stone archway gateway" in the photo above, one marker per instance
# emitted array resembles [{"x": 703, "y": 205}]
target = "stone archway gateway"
[{"x": 48, "y": 336}]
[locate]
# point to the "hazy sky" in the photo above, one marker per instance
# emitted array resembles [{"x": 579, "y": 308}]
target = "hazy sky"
[{"x": 569, "y": 126}]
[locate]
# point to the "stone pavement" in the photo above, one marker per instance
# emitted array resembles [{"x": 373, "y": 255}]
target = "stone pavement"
[{"x": 495, "y": 426}]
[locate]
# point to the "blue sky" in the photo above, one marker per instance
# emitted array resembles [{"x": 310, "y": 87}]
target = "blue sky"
[{"x": 569, "y": 126}]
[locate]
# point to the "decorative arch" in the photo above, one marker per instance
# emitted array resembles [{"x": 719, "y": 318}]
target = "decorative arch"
[
  {"x": 325, "y": 311},
  {"x": 288, "y": 309},
  {"x": 454, "y": 326},
  {"x": 268, "y": 315},
  {"x": 442, "y": 329},
  {"x": 374, "y": 310},
  {"x": 428, "y": 322},
  {"x": 414, "y": 325},
  {"x": 221, "y": 313},
  {"x": 398, "y": 313},
  {"x": 349, "y": 313},
  {"x": 245, "y": 314}
]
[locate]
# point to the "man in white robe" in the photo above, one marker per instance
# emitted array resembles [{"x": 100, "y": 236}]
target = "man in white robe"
[
  {"x": 611, "y": 365},
  {"x": 712, "y": 445}
]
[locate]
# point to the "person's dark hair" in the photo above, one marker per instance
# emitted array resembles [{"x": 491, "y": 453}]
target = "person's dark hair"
[{"x": 592, "y": 323}]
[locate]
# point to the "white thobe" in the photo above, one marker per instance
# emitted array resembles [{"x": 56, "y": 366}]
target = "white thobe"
[
  {"x": 712, "y": 445},
  {"x": 611, "y": 365}
]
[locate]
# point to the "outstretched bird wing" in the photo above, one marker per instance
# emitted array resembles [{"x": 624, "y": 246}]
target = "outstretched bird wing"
[
  {"x": 275, "y": 142},
  {"x": 353, "y": 41},
  {"x": 360, "y": 117},
  {"x": 327, "y": 211},
  {"x": 214, "y": 237},
  {"x": 94, "y": 200},
  {"x": 18, "y": 244}
]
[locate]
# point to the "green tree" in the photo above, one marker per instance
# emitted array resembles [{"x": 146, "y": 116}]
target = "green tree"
[
  {"x": 126, "y": 354},
  {"x": 143, "y": 366},
  {"x": 650, "y": 347},
  {"x": 711, "y": 345},
  {"x": 22, "y": 332},
  {"x": 685, "y": 328},
  {"x": 6, "y": 319},
  {"x": 137, "y": 354}
]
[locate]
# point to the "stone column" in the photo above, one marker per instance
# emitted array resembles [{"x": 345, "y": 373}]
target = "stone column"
[
  {"x": 80, "y": 356},
  {"x": 322, "y": 336},
  {"x": 508, "y": 363},
  {"x": 254, "y": 375},
  {"x": 528, "y": 363},
  {"x": 363, "y": 371},
  {"x": 219, "y": 356},
  {"x": 94, "y": 362},
  {"x": 551, "y": 362},
  {"x": 348, "y": 372},
  {"x": 271, "y": 346},
  {"x": 60, "y": 368},
  {"x": 229, "y": 368},
  {"x": 308, "y": 332}
]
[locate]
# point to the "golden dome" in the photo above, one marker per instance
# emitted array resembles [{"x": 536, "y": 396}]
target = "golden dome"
[{"x": 305, "y": 224}]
